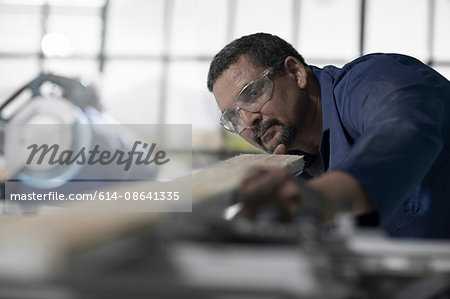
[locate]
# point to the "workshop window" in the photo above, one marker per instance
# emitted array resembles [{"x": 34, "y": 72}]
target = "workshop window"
[
  {"x": 397, "y": 26},
  {"x": 198, "y": 28},
  {"x": 189, "y": 99},
  {"x": 135, "y": 27},
  {"x": 151, "y": 58},
  {"x": 134, "y": 84},
  {"x": 14, "y": 73},
  {"x": 20, "y": 28},
  {"x": 329, "y": 31},
  {"x": 86, "y": 67},
  {"x": 264, "y": 16},
  {"x": 441, "y": 39},
  {"x": 77, "y": 27}
]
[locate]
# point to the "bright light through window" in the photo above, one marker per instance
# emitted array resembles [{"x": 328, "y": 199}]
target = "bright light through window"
[{"x": 55, "y": 44}]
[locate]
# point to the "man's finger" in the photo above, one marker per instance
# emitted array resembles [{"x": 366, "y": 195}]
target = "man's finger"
[
  {"x": 263, "y": 187},
  {"x": 288, "y": 200},
  {"x": 251, "y": 174},
  {"x": 280, "y": 150}
]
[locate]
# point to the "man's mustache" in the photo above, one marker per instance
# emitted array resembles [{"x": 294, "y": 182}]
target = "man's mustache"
[{"x": 261, "y": 127}]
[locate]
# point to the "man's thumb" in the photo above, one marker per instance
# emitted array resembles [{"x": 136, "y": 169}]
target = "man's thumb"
[{"x": 280, "y": 150}]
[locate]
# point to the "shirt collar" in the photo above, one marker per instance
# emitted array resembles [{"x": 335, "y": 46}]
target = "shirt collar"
[
  {"x": 326, "y": 95},
  {"x": 326, "y": 81}
]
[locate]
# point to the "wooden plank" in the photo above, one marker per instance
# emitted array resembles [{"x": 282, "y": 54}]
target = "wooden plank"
[
  {"x": 226, "y": 175},
  {"x": 36, "y": 247}
]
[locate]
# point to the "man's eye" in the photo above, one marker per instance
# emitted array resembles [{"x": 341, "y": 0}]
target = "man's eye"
[
  {"x": 231, "y": 114},
  {"x": 254, "y": 93}
]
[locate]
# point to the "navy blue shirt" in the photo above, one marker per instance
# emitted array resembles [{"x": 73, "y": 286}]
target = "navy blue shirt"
[{"x": 386, "y": 121}]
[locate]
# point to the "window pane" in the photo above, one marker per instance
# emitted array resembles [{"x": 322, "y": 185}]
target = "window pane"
[
  {"x": 322, "y": 62},
  {"x": 329, "y": 29},
  {"x": 189, "y": 101},
  {"x": 72, "y": 67},
  {"x": 199, "y": 27},
  {"x": 397, "y": 26},
  {"x": 86, "y": 3},
  {"x": 79, "y": 27},
  {"x": 135, "y": 27},
  {"x": 20, "y": 28},
  {"x": 444, "y": 71},
  {"x": 264, "y": 16},
  {"x": 131, "y": 91},
  {"x": 15, "y": 73},
  {"x": 442, "y": 26}
]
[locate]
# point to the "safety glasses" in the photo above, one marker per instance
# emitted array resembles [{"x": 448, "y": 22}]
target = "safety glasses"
[{"x": 252, "y": 98}]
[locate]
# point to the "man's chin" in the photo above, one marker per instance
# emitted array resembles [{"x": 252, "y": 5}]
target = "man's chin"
[{"x": 284, "y": 136}]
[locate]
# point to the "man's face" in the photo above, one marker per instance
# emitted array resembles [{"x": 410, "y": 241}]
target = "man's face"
[{"x": 281, "y": 118}]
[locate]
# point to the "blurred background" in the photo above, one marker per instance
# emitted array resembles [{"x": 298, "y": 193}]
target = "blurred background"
[
  {"x": 149, "y": 58},
  {"x": 146, "y": 62}
]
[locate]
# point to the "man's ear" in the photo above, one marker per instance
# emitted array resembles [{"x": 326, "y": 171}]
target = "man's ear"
[{"x": 296, "y": 70}]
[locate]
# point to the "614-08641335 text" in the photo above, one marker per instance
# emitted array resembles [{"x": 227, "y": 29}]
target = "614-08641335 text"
[{"x": 156, "y": 195}]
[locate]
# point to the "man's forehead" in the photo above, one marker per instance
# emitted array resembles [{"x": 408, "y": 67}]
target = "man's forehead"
[{"x": 233, "y": 79}]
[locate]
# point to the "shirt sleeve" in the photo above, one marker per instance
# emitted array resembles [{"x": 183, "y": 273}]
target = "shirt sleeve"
[{"x": 395, "y": 113}]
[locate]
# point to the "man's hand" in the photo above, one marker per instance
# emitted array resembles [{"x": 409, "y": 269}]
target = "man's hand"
[
  {"x": 277, "y": 188},
  {"x": 261, "y": 187}
]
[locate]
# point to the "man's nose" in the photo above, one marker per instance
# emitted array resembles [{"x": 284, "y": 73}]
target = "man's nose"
[{"x": 249, "y": 119}]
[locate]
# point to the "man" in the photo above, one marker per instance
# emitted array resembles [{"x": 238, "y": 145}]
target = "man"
[{"x": 380, "y": 124}]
